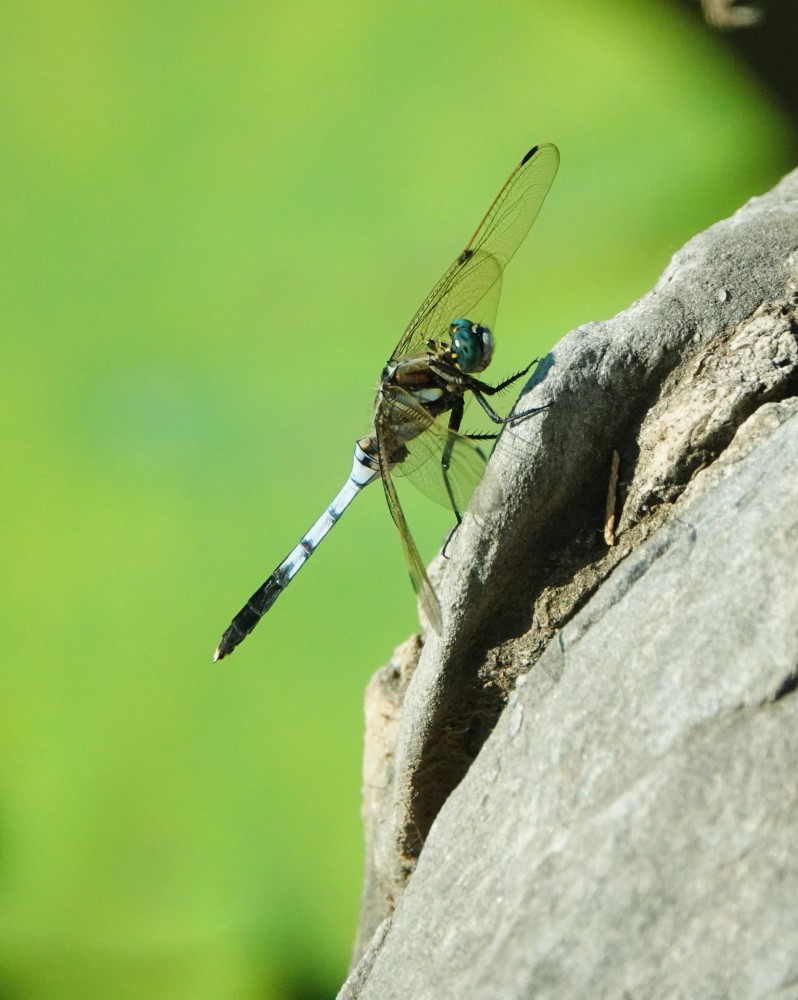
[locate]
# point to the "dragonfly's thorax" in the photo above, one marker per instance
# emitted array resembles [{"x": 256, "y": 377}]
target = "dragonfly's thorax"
[
  {"x": 430, "y": 377},
  {"x": 412, "y": 390}
]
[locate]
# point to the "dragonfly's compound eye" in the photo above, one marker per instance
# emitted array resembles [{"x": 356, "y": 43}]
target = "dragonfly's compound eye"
[{"x": 472, "y": 345}]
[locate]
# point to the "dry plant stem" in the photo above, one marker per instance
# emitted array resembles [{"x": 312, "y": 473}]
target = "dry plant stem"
[{"x": 609, "y": 520}]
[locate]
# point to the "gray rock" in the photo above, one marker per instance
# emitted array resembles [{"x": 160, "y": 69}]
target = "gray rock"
[{"x": 628, "y": 827}]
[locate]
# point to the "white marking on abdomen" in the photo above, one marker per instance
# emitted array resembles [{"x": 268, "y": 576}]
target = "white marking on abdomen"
[
  {"x": 361, "y": 475},
  {"x": 427, "y": 395}
]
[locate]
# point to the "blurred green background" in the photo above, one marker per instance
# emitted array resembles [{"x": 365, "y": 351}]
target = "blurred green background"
[{"x": 216, "y": 221}]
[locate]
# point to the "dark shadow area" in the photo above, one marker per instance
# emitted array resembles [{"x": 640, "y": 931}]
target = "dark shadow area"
[
  {"x": 768, "y": 50},
  {"x": 304, "y": 982}
]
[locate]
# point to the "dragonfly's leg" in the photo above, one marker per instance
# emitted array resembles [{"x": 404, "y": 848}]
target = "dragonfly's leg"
[
  {"x": 449, "y": 537},
  {"x": 455, "y": 417},
  {"x": 483, "y": 389},
  {"x": 508, "y": 381},
  {"x": 454, "y": 425},
  {"x": 490, "y": 390},
  {"x": 512, "y": 418},
  {"x": 469, "y": 437}
]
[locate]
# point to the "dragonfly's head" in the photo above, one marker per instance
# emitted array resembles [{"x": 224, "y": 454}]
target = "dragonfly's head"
[{"x": 472, "y": 345}]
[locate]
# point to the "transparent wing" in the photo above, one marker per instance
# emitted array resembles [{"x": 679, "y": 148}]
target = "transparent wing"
[
  {"x": 418, "y": 574},
  {"x": 471, "y": 286},
  {"x": 470, "y": 289},
  {"x": 422, "y": 465},
  {"x": 466, "y": 465}
]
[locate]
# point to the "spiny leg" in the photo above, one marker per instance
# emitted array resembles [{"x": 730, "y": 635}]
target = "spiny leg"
[
  {"x": 455, "y": 420},
  {"x": 455, "y": 417},
  {"x": 482, "y": 389},
  {"x": 509, "y": 381},
  {"x": 513, "y": 418},
  {"x": 450, "y": 536}
]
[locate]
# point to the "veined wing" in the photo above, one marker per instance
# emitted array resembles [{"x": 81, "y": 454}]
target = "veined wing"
[
  {"x": 418, "y": 574},
  {"x": 422, "y": 466},
  {"x": 470, "y": 288}
]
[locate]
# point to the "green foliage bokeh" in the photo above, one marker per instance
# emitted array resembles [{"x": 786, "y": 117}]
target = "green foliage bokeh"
[{"x": 216, "y": 221}]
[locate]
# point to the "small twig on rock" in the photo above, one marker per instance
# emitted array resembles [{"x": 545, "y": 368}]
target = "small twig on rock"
[{"x": 609, "y": 520}]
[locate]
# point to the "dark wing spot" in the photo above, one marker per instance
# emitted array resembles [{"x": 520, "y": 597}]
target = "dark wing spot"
[{"x": 530, "y": 154}]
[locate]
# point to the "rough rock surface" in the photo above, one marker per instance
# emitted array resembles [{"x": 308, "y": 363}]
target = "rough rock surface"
[{"x": 628, "y": 828}]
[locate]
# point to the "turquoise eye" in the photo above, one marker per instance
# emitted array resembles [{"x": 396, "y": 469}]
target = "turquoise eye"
[{"x": 472, "y": 345}]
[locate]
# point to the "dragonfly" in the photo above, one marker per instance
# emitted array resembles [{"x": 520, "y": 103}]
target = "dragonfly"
[{"x": 422, "y": 393}]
